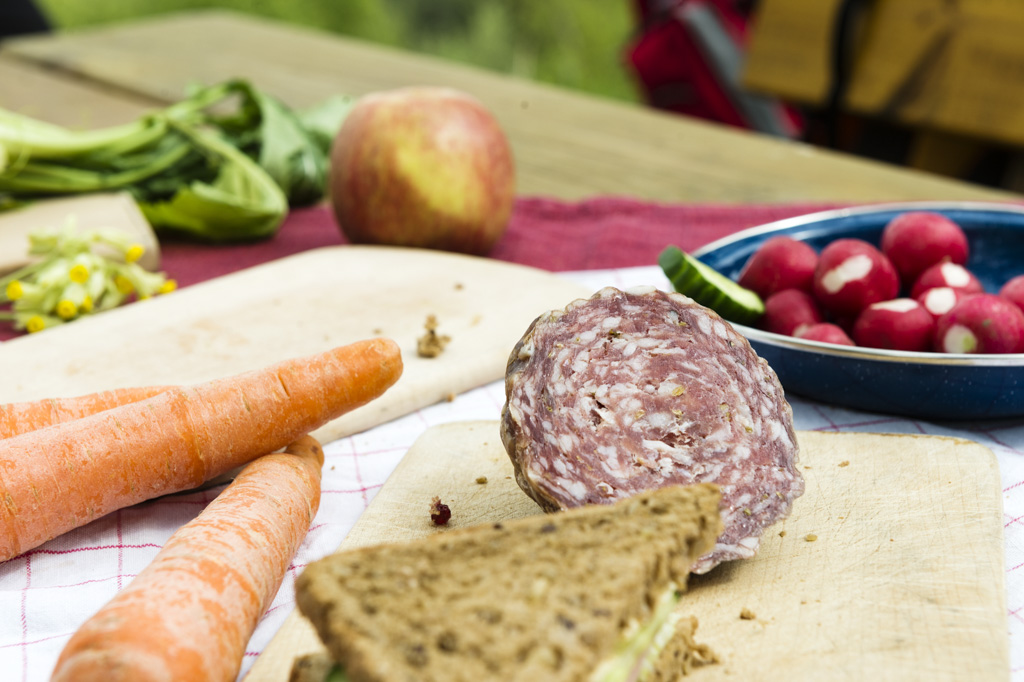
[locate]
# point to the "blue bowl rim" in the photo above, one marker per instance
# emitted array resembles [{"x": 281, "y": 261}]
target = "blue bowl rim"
[{"x": 857, "y": 352}]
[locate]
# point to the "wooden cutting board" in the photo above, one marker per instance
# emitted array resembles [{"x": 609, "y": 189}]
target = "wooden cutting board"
[
  {"x": 295, "y": 306},
  {"x": 903, "y": 581}
]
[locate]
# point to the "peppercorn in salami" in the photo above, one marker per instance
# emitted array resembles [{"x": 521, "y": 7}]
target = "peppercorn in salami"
[{"x": 632, "y": 390}]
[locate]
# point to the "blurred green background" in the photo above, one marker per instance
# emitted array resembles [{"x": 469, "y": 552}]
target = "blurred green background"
[{"x": 573, "y": 43}]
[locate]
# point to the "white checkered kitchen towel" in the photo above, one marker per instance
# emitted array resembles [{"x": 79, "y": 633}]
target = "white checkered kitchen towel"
[{"x": 48, "y": 592}]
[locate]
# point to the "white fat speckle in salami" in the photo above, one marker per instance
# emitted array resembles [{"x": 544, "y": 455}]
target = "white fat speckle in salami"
[
  {"x": 649, "y": 389},
  {"x": 577, "y": 487}
]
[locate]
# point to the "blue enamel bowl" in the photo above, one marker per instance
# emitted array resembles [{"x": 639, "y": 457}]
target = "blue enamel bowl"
[{"x": 937, "y": 386}]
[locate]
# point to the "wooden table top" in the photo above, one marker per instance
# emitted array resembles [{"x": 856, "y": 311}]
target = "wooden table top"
[{"x": 567, "y": 145}]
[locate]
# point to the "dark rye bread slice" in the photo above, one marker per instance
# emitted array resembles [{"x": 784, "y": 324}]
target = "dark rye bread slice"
[{"x": 541, "y": 598}]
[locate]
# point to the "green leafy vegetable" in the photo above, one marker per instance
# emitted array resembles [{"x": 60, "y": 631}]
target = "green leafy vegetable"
[
  {"x": 191, "y": 167},
  {"x": 323, "y": 120},
  {"x": 241, "y": 202}
]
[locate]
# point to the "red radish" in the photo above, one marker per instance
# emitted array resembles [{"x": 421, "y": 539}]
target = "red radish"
[
  {"x": 825, "y": 332},
  {"x": 981, "y": 323},
  {"x": 789, "y": 310},
  {"x": 899, "y": 324},
  {"x": 916, "y": 240},
  {"x": 940, "y": 300},
  {"x": 780, "y": 263},
  {"x": 1013, "y": 291},
  {"x": 947, "y": 275},
  {"x": 851, "y": 275}
]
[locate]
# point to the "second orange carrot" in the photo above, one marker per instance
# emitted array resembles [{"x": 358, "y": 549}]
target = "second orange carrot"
[{"x": 190, "y": 613}]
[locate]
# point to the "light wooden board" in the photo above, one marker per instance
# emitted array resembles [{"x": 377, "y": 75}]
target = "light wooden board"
[
  {"x": 567, "y": 145},
  {"x": 904, "y": 581},
  {"x": 64, "y": 99},
  {"x": 117, "y": 211},
  {"x": 295, "y": 306}
]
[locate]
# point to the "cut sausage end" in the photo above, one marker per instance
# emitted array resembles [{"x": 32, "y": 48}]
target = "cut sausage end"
[{"x": 629, "y": 391}]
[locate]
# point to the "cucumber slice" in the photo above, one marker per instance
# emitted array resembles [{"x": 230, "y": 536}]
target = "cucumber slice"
[{"x": 710, "y": 288}]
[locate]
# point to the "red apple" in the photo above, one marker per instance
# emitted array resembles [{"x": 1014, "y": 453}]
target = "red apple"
[{"x": 425, "y": 167}]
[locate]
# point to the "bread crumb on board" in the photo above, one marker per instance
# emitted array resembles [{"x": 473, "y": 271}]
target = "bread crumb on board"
[
  {"x": 747, "y": 614},
  {"x": 845, "y": 463},
  {"x": 481, "y": 480},
  {"x": 810, "y": 537},
  {"x": 431, "y": 344}
]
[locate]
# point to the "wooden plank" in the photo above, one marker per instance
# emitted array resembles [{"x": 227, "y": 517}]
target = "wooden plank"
[
  {"x": 903, "y": 582},
  {"x": 64, "y": 98},
  {"x": 567, "y": 145}
]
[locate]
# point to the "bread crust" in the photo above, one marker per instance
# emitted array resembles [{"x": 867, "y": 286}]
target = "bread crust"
[{"x": 546, "y": 597}]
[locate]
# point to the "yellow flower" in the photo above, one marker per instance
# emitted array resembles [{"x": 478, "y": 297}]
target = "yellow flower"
[
  {"x": 35, "y": 324},
  {"x": 66, "y": 309},
  {"x": 79, "y": 273},
  {"x": 70, "y": 278},
  {"x": 14, "y": 290},
  {"x": 123, "y": 284},
  {"x": 134, "y": 253}
]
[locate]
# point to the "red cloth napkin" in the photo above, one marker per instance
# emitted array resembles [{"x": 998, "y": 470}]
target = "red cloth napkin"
[
  {"x": 611, "y": 232},
  {"x": 545, "y": 233},
  {"x": 551, "y": 234}
]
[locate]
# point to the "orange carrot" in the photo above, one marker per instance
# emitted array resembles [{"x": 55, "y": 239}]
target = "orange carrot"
[
  {"x": 190, "y": 613},
  {"x": 26, "y": 416},
  {"x": 63, "y": 476}
]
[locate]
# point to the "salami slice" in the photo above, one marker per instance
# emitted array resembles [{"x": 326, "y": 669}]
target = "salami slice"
[{"x": 638, "y": 389}]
